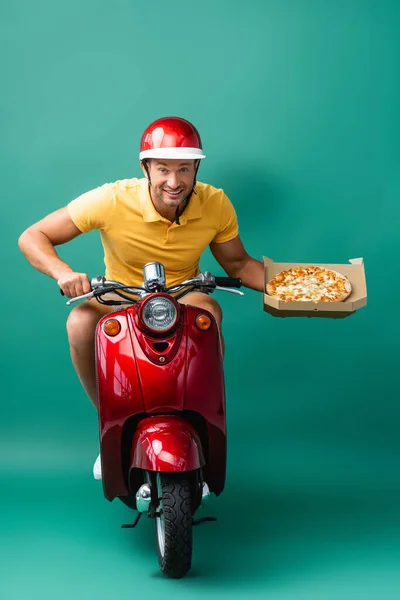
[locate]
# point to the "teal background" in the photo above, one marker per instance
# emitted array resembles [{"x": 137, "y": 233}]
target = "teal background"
[{"x": 297, "y": 103}]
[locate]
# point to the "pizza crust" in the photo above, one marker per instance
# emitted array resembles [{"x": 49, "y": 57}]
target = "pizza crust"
[
  {"x": 347, "y": 285},
  {"x": 296, "y": 290}
]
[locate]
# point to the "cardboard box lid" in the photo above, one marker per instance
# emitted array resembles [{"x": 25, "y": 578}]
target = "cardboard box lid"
[{"x": 354, "y": 271}]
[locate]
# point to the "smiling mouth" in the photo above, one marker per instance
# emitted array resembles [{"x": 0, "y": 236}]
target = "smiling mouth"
[{"x": 173, "y": 194}]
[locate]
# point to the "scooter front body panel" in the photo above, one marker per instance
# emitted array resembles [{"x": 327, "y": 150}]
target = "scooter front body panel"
[{"x": 133, "y": 384}]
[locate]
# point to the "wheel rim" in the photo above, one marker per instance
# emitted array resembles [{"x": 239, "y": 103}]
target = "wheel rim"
[{"x": 160, "y": 521}]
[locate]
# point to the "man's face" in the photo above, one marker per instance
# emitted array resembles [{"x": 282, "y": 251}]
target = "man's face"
[{"x": 171, "y": 180}]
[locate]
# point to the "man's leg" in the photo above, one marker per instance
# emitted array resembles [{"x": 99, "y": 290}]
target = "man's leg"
[
  {"x": 205, "y": 301},
  {"x": 81, "y": 327}
]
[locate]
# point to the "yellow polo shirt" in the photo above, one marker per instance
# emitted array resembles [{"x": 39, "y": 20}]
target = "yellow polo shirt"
[{"x": 133, "y": 233}]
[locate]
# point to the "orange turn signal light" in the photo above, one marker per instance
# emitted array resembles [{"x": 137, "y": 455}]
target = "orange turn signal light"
[
  {"x": 203, "y": 322},
  {"x": 112, "y": 327}
]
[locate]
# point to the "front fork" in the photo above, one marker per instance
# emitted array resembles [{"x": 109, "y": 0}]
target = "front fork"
[{"x": 147, "y": 496}]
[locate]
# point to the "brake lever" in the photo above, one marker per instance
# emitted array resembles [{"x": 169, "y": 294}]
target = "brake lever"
[
  {"x": 72, "y": 300},
  {"x": 224, "y": 289}
]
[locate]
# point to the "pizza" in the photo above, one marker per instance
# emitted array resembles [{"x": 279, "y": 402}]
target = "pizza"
[{"x": 309, "y": 284}]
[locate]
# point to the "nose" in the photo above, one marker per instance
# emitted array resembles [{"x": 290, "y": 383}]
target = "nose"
[{"x": 172, "y": 181}]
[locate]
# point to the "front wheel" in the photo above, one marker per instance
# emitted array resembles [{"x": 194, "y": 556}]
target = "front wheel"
[{"x": 173, "y": 524}]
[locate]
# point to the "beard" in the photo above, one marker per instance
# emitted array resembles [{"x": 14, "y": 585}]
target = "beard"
[{"x": 159, "y": 194}]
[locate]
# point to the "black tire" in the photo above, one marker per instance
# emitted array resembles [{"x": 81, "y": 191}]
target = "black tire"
[{"x": 174, "y": 525}]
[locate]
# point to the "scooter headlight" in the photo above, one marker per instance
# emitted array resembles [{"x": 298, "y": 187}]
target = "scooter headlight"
[{"x": 159, "y": 314}]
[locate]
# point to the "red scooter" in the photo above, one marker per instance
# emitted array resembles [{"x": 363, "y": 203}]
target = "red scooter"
[{"x": 161, "y": 399}]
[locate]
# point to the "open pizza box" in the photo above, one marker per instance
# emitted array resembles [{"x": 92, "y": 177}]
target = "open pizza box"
[{"x": 354, "y": 271}]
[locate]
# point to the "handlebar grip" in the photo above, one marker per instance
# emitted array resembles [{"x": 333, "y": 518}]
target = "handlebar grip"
[{"x": 228, "y": 282}]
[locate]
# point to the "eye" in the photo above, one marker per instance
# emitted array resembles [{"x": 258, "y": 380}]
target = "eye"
[
  {"x": 162, "y": 170},
  {"x": 185, "y": 169}
]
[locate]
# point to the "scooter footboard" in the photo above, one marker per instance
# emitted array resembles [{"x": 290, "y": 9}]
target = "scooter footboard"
[{"x": 166, "y": 443}]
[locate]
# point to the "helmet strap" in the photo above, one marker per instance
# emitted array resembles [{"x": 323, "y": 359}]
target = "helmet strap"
[
  {"x": 185, "y": 203},
  {"x": 186, "y": 200}
]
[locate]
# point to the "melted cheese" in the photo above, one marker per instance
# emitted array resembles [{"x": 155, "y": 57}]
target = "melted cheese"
[{"x": 306, "y": 289}]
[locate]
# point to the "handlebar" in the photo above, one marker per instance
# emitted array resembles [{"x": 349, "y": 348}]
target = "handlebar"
[
  {"x": 100, "y": 286},
  {"x": 229, "y": 282}
]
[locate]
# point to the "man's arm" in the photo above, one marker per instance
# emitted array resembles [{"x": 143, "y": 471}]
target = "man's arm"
[
  {"x": 37, "y": 244},
  {"x": 235, "y": 261}
]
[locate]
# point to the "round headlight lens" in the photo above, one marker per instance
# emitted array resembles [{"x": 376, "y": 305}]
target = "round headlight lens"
[{"x": 159, "y": 314}]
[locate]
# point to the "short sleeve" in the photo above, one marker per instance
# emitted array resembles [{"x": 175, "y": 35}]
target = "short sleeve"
[
  {"x": 228, "y": 228},
  {"x": 93, "y": 209}
]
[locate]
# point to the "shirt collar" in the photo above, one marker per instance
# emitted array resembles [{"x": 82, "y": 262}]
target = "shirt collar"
[{"x": 192, "y": 211}]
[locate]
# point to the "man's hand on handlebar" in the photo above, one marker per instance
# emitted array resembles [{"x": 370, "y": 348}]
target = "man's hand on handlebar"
[{"x": 74, "y": 284}]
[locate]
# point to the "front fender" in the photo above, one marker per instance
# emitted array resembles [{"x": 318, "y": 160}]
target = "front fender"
[{"x": 166, "y": 443}]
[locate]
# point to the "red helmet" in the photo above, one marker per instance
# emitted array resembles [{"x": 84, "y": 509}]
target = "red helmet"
[{"x": 171, "y": 137}]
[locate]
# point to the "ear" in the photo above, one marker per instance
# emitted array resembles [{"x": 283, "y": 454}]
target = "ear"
[{"x": 142, "y": 166}]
